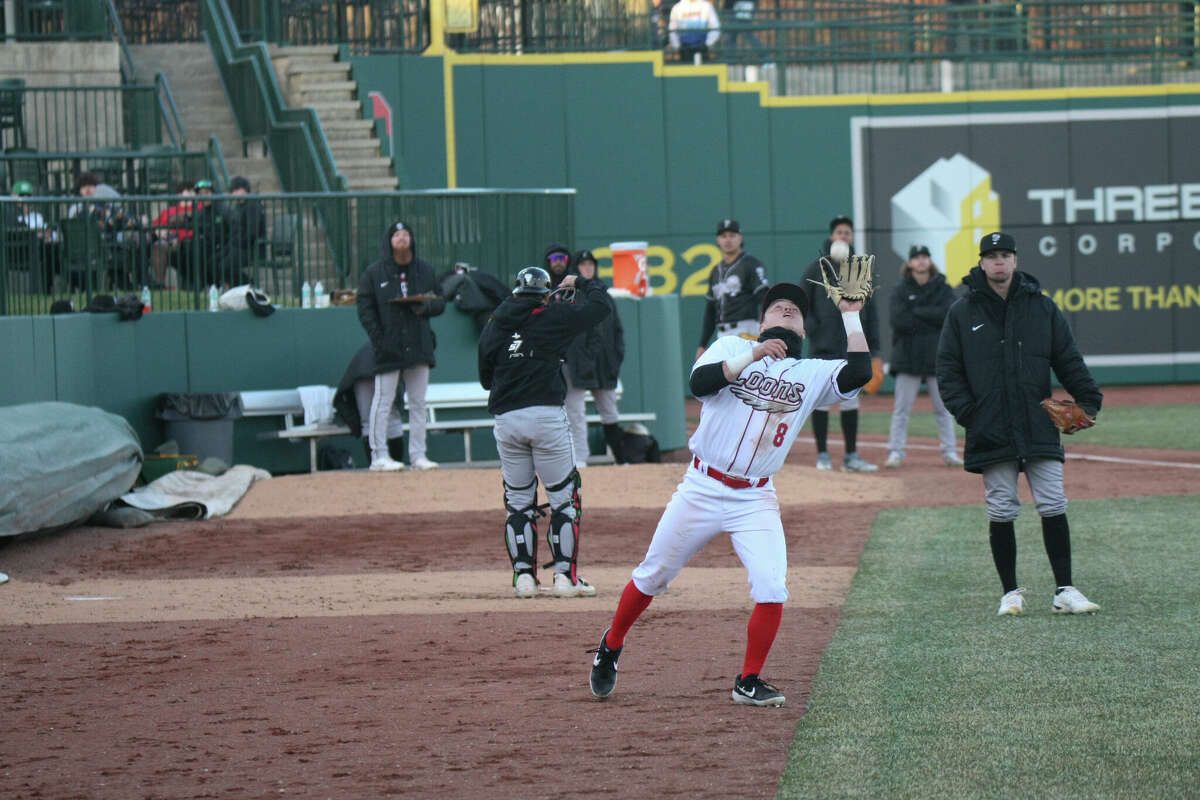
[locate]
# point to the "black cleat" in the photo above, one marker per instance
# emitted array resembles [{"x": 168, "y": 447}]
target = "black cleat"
[
  {"x": 754, "y": 691},
  {"x": 604, "y": 670}
]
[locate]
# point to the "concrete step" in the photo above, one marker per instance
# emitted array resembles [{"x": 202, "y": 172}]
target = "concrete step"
[
  {"x": 337, "y": 128},
  {"x": 329, "y": 112},
  {"x": 331, "y": 86},
  {"x": 372, "y": 184},
  {"x": 313, "y": 71},
  {"x": 361, "y": 164},
  {"x": 316, "y": 50},
  {"x": 308, "y": 97}
]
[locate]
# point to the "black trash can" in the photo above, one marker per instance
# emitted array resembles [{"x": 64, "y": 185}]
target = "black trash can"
[{"x": 202, "y": 424}]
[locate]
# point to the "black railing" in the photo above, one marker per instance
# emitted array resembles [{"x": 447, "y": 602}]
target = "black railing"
[
  {"x": 79, "y": 118},
  {"x": 157, "y": 170}
]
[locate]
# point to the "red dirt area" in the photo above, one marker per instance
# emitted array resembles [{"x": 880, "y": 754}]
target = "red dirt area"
[{"x": 382, "y": 655}]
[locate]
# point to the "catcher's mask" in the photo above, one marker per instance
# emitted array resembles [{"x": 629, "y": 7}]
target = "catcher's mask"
[
  {"x": 532, "y": 281},
  {"x": 785, "y": 291}
]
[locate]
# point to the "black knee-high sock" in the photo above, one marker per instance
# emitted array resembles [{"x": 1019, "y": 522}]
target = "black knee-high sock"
[
  {"x": 850, "y": 429},
  {"x": 1003, "y": 539},
  {"x": 820, "y": 426},
  {"x": 1056, "y": 534},
  {"x": 612, "y": 437}
]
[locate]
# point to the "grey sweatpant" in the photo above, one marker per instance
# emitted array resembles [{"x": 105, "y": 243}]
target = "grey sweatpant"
[
  {"x": 416, "y": 383},
  {"x": 906, "y": 388},
  {"x": 576, "y": 407}
]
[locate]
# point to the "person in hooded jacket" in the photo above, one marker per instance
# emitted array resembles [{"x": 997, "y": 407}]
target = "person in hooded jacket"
[
  {"x": 827, "y": 339},
  {"x": 397, "y": 295},
  {"x": 521, "y": 352},
  {"x": 557, "y": 261},
  {"x": 998, "y": 347},
  {"x": 594, "y": 364},
  {"x": 918, "y": 308}
]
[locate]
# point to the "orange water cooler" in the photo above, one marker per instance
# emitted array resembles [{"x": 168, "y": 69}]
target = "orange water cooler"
[{"x": 629, "y": 267}]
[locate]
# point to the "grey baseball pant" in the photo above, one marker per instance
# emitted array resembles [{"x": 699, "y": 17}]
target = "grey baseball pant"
[
  {"x": 416, "y": 383},
  {"x": 1045, "y": 477},
  {"x": 576, "y": 407}
]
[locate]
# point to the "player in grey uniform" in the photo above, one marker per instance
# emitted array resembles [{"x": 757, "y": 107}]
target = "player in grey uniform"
[
  {"x": 735, "y": 288},
  {"x": 521, "y": 352}
]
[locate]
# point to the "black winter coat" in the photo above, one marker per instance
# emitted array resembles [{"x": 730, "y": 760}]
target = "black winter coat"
[
  {"x": 521, "y": 349},
  {"x": 993, "y": 369},
  {"x": 917, "y": 314},
  {"x": 823, "y": 326},
  {"x": 399, "y": 332},
  {"x": 595, "y": 356}
]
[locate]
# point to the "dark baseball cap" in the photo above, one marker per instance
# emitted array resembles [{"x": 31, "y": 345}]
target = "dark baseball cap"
[
  {"x": 841, "y": 219},
  {"x": 728, "y": 225},
  {"x": 918, "y": 250},
  {"x": 997, "y": 241},
  {"x": 785, "y": 291}
]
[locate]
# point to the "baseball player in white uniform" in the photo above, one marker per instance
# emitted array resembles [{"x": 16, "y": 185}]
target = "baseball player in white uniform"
[{"x": 755, "y": 395}]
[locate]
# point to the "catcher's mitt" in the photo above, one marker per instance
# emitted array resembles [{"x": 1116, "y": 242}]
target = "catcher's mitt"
[
  {"x": 849, "y": 280},
  {"x": 1067, "y": 416}
]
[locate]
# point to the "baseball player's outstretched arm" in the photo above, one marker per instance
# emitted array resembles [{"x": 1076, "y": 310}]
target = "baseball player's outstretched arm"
[{"x": 857, "y": 371}]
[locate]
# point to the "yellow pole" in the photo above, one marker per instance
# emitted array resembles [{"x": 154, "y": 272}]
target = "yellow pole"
[{"x": 437, "y": 28}]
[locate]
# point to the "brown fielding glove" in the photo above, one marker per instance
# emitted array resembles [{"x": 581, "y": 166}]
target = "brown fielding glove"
[
  {"x": 849, "y": 280},
  {"x": 1067, "y": 416}
]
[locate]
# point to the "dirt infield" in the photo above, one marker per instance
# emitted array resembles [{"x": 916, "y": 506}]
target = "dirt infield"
[{"x": 353, "y": 635}]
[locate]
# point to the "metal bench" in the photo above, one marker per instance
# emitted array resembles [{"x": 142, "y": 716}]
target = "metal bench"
[{"x": 286, "y": 403}]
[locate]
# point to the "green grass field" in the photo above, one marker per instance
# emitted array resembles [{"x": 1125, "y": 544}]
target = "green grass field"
[
  {"x": 924, "y": 692},
  {"x": 1164, "y": 426}
]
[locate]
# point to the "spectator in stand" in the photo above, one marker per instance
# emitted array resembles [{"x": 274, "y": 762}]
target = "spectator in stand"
[
  {"x": 739, "y": 16},
  {"x": 40, "y": 250},
  {"x": 209, "y": 227},
  {"x": 694, "y": 29},
  {"x": 170, "y": 252},
  {"x": 247, "y": 227},
  {"x": 120, "y": 229}
]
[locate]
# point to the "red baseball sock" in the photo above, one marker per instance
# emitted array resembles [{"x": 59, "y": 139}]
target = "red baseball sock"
[
  {"x": 760, "y": 635},
  {"x": 632, "y": 604}
]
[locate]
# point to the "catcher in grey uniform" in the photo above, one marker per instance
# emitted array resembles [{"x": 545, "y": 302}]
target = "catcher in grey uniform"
[{"x": 521, "y": 353}]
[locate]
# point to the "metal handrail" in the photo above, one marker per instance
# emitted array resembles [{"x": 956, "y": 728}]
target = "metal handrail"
[
  {"x": 216, "y": 163},
  {"x": 170, "y": 111},
  {"x": 117, "y": 31}
]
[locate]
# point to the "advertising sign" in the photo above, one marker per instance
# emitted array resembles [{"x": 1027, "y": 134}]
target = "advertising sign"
[{"x": 1104, "y": 205}]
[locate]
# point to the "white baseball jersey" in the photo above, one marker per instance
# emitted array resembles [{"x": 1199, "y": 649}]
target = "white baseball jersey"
[{"x": 747, "y": 427}]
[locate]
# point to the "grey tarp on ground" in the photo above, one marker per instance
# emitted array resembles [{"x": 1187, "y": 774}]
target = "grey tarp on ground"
[{"x": 60, "y": 463}]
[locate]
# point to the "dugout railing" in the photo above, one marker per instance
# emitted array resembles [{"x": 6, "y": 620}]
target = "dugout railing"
[{"x": 72, "y": 248}]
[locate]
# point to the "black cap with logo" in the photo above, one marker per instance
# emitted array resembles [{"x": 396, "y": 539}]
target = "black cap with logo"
[
  {"x": 728, "y": 225},
  {"x": 997, "y": 241},
  {"x": 918, "y": 250}
]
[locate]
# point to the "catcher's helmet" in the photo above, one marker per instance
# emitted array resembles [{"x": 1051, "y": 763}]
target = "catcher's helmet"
[{"x": 532, "y": 280}]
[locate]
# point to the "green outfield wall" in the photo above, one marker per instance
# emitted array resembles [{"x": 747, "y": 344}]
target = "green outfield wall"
[
  {"x": 1101, "y": 187},
  {"x": 123, "y": 367}
]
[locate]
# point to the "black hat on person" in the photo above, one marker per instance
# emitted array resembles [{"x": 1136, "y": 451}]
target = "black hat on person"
[
  {"x": 785, "y": 291},
  {"x": 730, "y": 225},
  {"x": 841, "y": 219},
  {"x": 239, "y": 182},
  {"x": 259, "y": 303},
  {"x": 585, "y": 255},
  {"x": 997, "y": 241},
  {"x": 918, "y": 250}
]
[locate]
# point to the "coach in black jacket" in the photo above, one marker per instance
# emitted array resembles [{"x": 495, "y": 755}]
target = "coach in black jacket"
[
  {"x": 997, "y": 349},
  {"x": 396, "y": 297},
  {"x": 827, "y": 339},
  {"x": 520, "y": 363}
]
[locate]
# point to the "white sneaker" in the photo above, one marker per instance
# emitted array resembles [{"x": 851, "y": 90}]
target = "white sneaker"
[
  {"x": 1070, "y": 600},
  {"x": 423, "y": 464},
  {"x": 386, "y": 464},
  {"x": 524, "y": 585},
  {"x": 580, "y": 465},
  {"x": 564, "y": 588},
  {"x": 952, "y": 460},
  {"x": 1012, "y": 604},
  {"x": 855, "y": 463},
  {"x": 894, "y": 460},
  {"x": 824, "y": 462}
]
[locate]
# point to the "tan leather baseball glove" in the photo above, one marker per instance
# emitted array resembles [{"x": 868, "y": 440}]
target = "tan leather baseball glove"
[
  {"x": 1067, "y": 415},
  {"x": 851, "y": 279}
]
